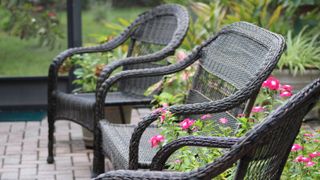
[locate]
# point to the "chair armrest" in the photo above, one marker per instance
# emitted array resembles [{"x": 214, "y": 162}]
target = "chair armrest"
[
  {"x": 145, "y": 175},
  {"x": 136, "y": 137},
  {"x": 167, "y": 150},
  {"x": 157, "y": 56},
  {"x": 102, "y": 90},
  {"x": 58, "y": 60}
]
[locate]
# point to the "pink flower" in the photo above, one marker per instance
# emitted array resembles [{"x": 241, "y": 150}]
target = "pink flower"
[
  {"x": 165, "y": 105},
  {"x": 286, "y": 88},
  {"x": 257, "y": 109},
  {"x": 159, "y": 110},
  {"x": 314, "y": 154},
  {"x": 162, "y": 118},
  {"x": 223, "y": 120},
  {"x": 272, "y": 83},
  {"x": 163, "y": 113},
  {"x": 186, "y": 123},
  {"x": 181, "y": 55},
  {"x": 298, "y": 158},
  {"x": 308, "y": 135},
  {"x": 206, "y": 116},
  {"x": 305, "y": 159},
  {"x": 310, "y": 163},
  {"x": 155, "y": 140},
  {"x": 285, "y": 94},
  {"x": 185, "y": 75},
  {"x": 296, "y": 147},
  {"x": 302, "y": 159}
]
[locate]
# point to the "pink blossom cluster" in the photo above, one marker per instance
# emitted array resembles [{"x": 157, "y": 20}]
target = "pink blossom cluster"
[
  {"x": 307, "y": 160},
  {"x": 273, "y": 83},
  {"x": 206, "y": 116},
  {"x": 186, "y": 123},
  {"x": 296, "y": 147},
  {"x": 285, "y": 91},
  {"x": 163, "y": 112},
  {"x": 223, "y": 120},
  {"x": 257, "y": 109},
  {"x": 181, "y": 55},
  {"x": 155, "y": 140}
]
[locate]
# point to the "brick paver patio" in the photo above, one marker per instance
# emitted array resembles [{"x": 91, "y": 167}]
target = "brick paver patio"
[{"x": 23, "y": 150}]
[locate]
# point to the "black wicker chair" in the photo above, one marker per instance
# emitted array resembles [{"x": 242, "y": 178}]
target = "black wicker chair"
[
  {"x": 232, "y": 66},
  {"x": 153, "y": 36},
  {"x": 260, "y": 154}
]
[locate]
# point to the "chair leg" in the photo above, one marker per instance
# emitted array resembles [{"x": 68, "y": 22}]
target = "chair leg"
[
  {"x": 50, "y": 158},
  {"x": 123, "y": 119},
  {"x": 98, "y": 157}
]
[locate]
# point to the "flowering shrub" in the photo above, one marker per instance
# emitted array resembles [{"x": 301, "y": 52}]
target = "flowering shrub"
[
  {"x": 303, "y": 160},
  {"x": 189, "y": 158}
]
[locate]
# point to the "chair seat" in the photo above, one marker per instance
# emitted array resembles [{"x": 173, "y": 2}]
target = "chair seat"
[
  {"x": 79, "y": 110},
  {"x": 80, "y": 107},
  {"x": 116, "y": 140},
  {"x": 119, "y": 98}
]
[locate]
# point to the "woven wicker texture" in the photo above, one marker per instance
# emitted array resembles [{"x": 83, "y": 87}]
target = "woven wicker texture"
[
  {"x": 214, "y": 88},
  {"x": 148, "y": 38},
  {"x": 118, "y": 137},
  {"x": 260, "y": 154},
  {"x": 138, "y": 86},
  {"x": 153, "y": 36}
]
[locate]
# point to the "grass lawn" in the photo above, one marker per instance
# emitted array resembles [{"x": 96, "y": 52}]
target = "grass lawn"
[{"x": 26, "y": 58}]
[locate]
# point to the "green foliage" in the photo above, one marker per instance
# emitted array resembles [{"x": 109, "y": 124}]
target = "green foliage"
[
  {"x": 89, "y": 66},
  {"x": 186, "y": 2},
  {"x": 87, "y": 71},
  {"x": 207, "y": 20},
  {"x": 265, "y": 13},
  {"x": 277, "y": 16},
  {"x": 182, "y": 2},
  {"x": 303, "y": 51}
]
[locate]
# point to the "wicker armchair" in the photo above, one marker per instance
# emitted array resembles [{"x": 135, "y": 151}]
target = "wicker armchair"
[
  {"x": 260, "y": 154},
  {"x": 153, "y": 36},
  {"x": 232, "y": 66}
]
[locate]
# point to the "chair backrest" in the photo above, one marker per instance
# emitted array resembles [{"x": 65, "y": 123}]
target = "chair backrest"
[
  {"x": 264, "y": 150},
  {"x": 240, "y": 53},
  {"x": 162, "y": 28}
]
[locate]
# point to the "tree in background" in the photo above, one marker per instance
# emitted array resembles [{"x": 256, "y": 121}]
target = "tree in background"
[{"x": 31, "y": 19}]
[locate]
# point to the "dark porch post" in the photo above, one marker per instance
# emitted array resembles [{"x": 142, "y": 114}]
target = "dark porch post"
[
  {"x": 74, "y": 30},
  {"x": 74, "y": 23}
]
